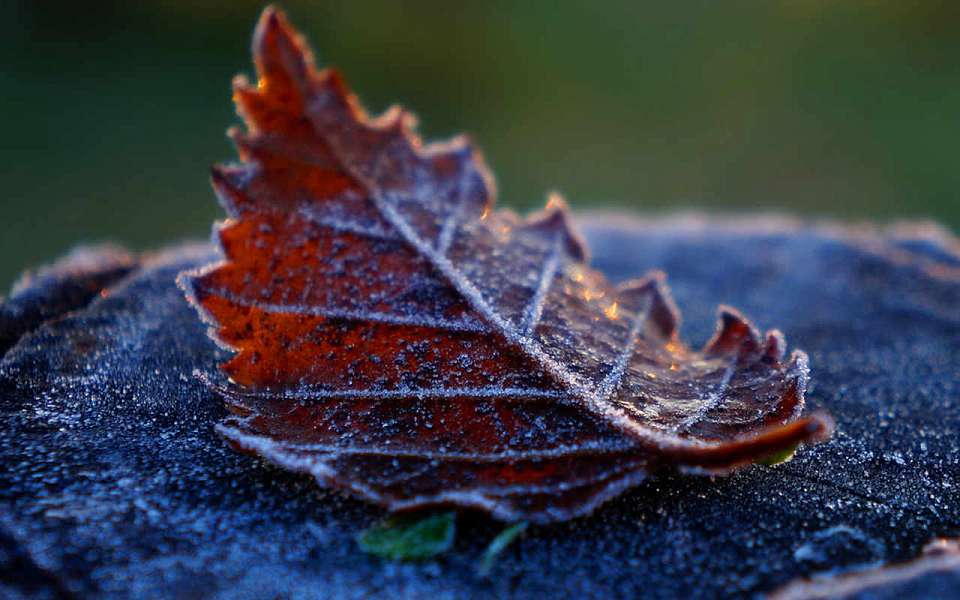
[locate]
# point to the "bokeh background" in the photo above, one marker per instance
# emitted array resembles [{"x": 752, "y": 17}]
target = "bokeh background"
[{"x": 111, "y": 112}]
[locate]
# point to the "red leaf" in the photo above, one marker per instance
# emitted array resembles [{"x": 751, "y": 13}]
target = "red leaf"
[{"x": 397, "y": 337}]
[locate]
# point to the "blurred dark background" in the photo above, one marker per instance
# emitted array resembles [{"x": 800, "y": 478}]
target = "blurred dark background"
[{"x": 111, "y": 113}]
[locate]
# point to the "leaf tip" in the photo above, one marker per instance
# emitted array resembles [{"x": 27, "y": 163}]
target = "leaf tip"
[
  {"x": 272, "y": 21},
  {"x": 279, "y": 51},
  {"x": 820, "y": 425},
  {"x": 554, "y": 221},
  {"x": 735, "y": 335},
  {"x": 663, "y": 313},
  {"x": 775, "y": 346},
  {"x": 227, "y": 184}
]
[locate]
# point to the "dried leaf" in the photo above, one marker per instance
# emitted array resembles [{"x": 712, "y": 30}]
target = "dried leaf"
[{"x": 398, "y": 338}]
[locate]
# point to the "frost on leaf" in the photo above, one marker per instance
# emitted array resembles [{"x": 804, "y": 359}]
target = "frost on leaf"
[{"x": 397, "y": 337}]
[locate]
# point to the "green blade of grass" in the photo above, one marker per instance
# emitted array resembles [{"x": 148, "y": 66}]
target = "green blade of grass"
[
  {"x": 498, "y": 544},
  {"x": 410, "y": 538}
]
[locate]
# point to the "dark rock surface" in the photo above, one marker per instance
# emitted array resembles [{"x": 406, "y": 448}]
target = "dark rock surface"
[
  {"x": 71, "y": 282},
  {"x": 114, "y": 483},
  {"x": 935, "y": 574}
]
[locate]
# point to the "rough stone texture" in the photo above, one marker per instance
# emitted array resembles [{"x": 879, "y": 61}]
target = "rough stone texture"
[
  {"x": 115, "y": 485},
  {"x": 71, "y": 282},
  {"x": 935, "y": 574}
]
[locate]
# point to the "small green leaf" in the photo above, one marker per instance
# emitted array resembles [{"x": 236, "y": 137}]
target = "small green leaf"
[
  {"x": 410, "y": 538},
  {"x": 778, "y": 457},
  {"x": 499, "y": 543}
]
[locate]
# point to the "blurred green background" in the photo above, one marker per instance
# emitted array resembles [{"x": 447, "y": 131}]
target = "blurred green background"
[{"x": 112, "y": 112}]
